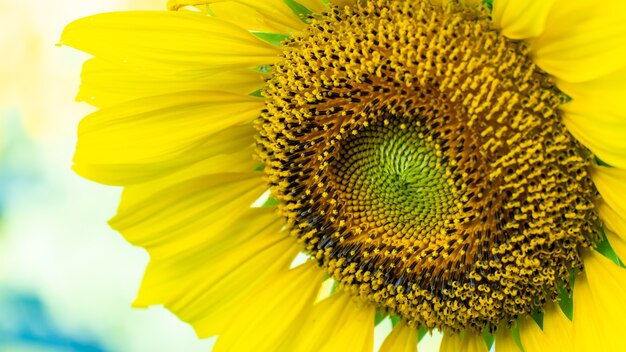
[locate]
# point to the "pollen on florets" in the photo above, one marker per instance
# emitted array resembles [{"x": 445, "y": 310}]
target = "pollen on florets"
[{"x": 420, "y": 157}]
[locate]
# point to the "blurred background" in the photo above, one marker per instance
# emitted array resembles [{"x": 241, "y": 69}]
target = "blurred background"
[{"x": 66, "y": 279}]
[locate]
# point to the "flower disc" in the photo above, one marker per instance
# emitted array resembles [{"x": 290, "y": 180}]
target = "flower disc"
[{"x": 419, "y": 155}]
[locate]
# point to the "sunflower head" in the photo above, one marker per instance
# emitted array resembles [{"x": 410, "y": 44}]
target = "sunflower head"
[
  {"x": 438, "y": 161},
  {"x": 421, "y": 158}
]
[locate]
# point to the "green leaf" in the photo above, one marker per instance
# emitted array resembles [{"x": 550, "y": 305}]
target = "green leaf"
[
  {"x": 421, "y": 332},
  {"x": 489, "y": 4},
  {"x": 263, "y": 69},
  {"x": 566, "y": 298},
  {"x": 538, "y": 318},
  {"x": 335, "y": 286},
  {"x": 601, "y": 162},
  {"x": 489, "y": 339},
  {"x": 516, "y": 337},
  {"x": 272, "y": 38},
  {"x": 299, "y": 10},
  {"x": 379, "y": 317},
  {"x": 394, "y": 320},
  {"x": 270, "y": 202},
  {"x": 604, "y": 248},
  {"x": 257, "y": 93}
]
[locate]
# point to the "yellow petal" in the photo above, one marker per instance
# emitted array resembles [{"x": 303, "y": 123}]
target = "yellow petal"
[
  {"x": 357, "y": 333},
  {"x": 601, "y": 132},
  {"x": 470, "y": 342},
  {"x": 206, "y": 168},
  {"x": 337, "y": 323},
  {"x": 612, "y": 220},
  {"x": 116, "y": 143},
  {"x": 618, "y": 244},
  {"x": 611, "y": 183},
  {"x": 555, "y": 336},
  {"x": 606, "y": 92},
  {"x": 106, "y": 83},
  {"x": 262, "y": 320},
  {"x": 239, "y": 14},
  {"x": 187, "y": 214},
  {"x": 316, "y": 6},
  {"x": 583, "y": 40},
  {"x": 206, "y": 285},
  {"x": 402, "y": 338},
  {"x": 177, "y": 4},
  {"x": 521, "y": 19},
  {"x": 614, "y": 228},
  {"x": 505, "y": 341},
  {"x": 176, "y": 43},
  {"x": 229, "y": 150},
  {"x": 247, "y": 17},
  {"x": 599, "y": 305},
  {"x": 273, "y": 11}
]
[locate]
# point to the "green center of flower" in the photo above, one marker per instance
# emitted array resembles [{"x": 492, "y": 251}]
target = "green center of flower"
[
  {"x": 420, "y": 157},
  {"x": 387, "y": 173}
]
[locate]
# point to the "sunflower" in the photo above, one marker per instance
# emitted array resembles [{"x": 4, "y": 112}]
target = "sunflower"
[{"x": 453, "y": 165}]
